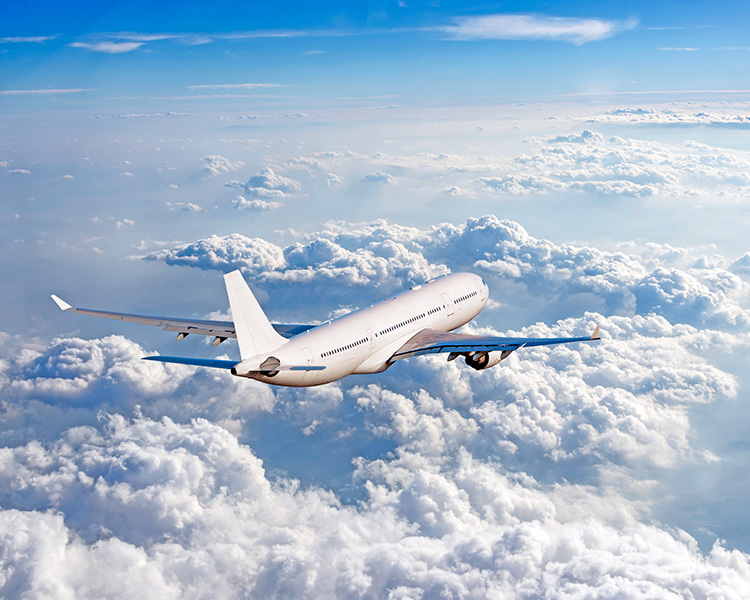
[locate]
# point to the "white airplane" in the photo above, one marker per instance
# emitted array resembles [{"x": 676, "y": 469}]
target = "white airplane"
[{"x": 369, "y": 340}]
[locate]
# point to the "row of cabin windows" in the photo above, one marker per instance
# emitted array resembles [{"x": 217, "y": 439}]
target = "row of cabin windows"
[
  {"x": 466, "y": 297},
  {"x": 359, "y": 342},
  {"x": 409, "y": 320}
]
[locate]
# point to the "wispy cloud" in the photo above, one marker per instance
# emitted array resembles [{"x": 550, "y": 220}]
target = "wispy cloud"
[
  {"x": 535, "y": 27},
  {"x": 147, "y": 37},
  {"x": 714, "y": 48},
  {"x": 235, "y": 86},
  {"x": 40, "y": 39},
  {"x": 45, "y": 91},
  {"x": 108, "y": 47}
]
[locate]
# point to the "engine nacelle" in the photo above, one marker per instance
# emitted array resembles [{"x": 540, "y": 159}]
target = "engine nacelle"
[
  {"x": 250, "y": 365},
  {"x": 485, "y": 360}
]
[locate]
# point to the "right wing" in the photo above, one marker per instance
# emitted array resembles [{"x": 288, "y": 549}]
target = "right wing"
[
  {"x": 220, "y": 329},
  {"x": 429, "y": 341}
]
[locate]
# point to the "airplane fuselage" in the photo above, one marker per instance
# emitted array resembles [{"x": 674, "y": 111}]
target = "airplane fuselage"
[{"x": 364, "y": 340}]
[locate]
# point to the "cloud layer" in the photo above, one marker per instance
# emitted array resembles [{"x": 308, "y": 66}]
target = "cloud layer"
[
  {"x": 378, "y": 257},
  {"x": 537, "y": 478}
]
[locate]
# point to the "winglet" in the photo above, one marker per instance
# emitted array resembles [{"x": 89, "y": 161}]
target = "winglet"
[
  {"x": 61, "y": 303},
  {"x": 595, "y": 335}
]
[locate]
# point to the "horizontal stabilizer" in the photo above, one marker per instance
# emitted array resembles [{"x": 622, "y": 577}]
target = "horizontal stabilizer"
[
  {"x": 198, "y": 362},
  {"x": 61, "y": 303},
  {"x": 227, "y": 364}
]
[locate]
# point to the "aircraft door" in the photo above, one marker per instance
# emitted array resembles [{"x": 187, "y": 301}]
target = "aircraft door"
[
  {"x": 308, "y": 356},
  {"x": 372, "y": 338},
  {"x": 448, "y": 304}
]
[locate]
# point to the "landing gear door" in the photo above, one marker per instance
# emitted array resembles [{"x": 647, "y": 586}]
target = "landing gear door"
[{"x": 448, "y": 304}]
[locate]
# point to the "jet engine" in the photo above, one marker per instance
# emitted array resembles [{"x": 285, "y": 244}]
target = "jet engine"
[{"x": 485, "y": 360}]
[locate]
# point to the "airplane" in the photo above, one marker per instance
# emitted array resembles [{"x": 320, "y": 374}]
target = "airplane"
[{"x": 415, "y": 322}]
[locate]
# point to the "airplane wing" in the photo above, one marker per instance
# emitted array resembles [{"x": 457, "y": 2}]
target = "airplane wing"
[
  {"x": 429, "y": 341},
  {"x": 220, "y": 329}
]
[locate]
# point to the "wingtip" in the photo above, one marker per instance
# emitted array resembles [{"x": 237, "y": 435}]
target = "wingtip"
[
  {"x": 61, "y": 303},
  {"x": 596, "y": 334}
]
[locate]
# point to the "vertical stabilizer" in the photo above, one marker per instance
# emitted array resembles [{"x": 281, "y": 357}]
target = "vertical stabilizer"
[{"x": 255, "y": 333}]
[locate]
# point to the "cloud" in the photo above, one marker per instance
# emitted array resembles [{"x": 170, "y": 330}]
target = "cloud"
[
  {"x": 244, "y": 86},
  {"x": 40, "y": 39},
  {"x": 537, "y": 478},
  {"x": 578, "y": 163},
  {"x": 124, "y": 223},
  {"x": 543, "y": 277},
  {"x": 217, "y": 164},
  {"x": 534, "y": 27},
  {"x": 44, "y": 91},
  {"x": 615, "y": 166},
  {"x": 651, "y": 116},
  {"x": 255, "y": 204},
  {"x": 378, "y": 177},
  {"x": 175, "y": 510},
  {"x": 108, "y": 47},
  {"x": 267, "y": 184},
  {"x": 67, "y": 382}
]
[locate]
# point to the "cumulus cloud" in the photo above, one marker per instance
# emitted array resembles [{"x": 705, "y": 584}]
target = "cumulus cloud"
[
  {"x": 69, "y": 381},
  {"x": 531, "y": 271},
  {"x": 267, "y": 185},
  {"x": 216, "y": 164},
  {"x": 307, "y": 269},
  {"x": 378, "y": 177},
  {"x": 667, "y": 116},
  {"x": 184, "y": 510},
  {"x": 584, "y": 162},
  {"x": 255, "y": 204},
  {"x": 588, "y": 162}
]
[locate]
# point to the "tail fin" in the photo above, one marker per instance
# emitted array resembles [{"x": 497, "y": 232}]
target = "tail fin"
[{"x": 255, "y": 333}]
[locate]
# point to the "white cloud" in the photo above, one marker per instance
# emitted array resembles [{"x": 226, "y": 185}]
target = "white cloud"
[
  {"x": 587, "y": 162},
  {"x": 536, "y": 273},
  {"x": 332, "y": 179},
  {"x": 244, "y": 86},
  {"x": 217, "y": 164},
  {"x": 255, "y": 204},
  {"x": 378, "y": 177},
  {"x": 233, "y": 251},
  {"x": 50, "y": 91},
  {"x": 124, "y": 223},
  {"x": 267, "y": 184},
  {"x": 651, "y": 116},
  {"x": 580, "y": 163},
  {"x": 535, "y": 27},
  {"x": 170, "y": 510},
  {"x": 28, "y": 39},
  {"x": 108, "y": 47}
]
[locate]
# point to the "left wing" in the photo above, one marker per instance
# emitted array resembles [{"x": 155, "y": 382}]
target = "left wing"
[
  {"x": 429, "y": 341},
  {"x": 221, "y": 330}
]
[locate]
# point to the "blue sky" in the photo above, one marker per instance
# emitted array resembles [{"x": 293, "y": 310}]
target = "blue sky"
[
  {"x": 423, "y": 53},
  {"x": 589, "y": 160}
]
